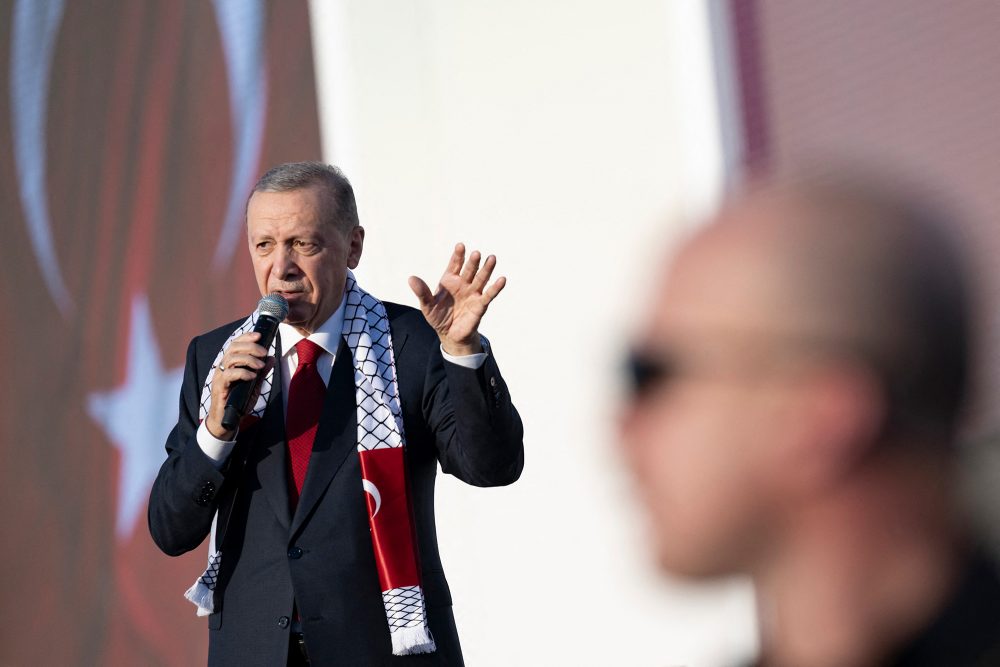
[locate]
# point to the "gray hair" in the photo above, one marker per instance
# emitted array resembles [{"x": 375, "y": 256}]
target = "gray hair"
[{"x": 340, "y": 208}]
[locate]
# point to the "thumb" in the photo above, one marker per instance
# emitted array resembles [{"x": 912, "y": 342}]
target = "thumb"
[{"x": 422, "y": 291}]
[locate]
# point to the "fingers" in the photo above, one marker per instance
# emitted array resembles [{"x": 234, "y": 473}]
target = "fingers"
[
  {"x": 241, "y": 367},
  {"x": 248, "y": 361},
  {"x": 246, "y": 341},
  {"x": 483, "y": 275},
  {"x": 494, "y": 289},
  {"x": 423, "y": 292},
  {"x": 471, "y": 266},
  {"x": 470, "y": 273},
  {"x": 233, "y": 375},
  {"x": 243, "y": 353},
  {"x": 457, "y": 259}
]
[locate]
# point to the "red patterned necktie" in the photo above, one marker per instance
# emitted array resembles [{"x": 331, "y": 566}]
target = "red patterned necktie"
[{"x": 305, "y": 403}]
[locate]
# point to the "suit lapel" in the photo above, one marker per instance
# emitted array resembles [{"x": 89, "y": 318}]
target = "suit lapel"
[
  {"x": 399, "y": 339},
  {"x": 336, "y": 435}
]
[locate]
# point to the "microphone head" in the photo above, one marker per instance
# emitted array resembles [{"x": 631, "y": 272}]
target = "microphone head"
[{"x": 274, "y": 305}]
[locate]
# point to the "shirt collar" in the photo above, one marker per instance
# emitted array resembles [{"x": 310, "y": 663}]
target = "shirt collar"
[{"x": 327, "y": 335}]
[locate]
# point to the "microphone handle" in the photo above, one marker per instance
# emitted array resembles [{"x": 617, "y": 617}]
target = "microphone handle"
[{"x": 239, "y": 395}]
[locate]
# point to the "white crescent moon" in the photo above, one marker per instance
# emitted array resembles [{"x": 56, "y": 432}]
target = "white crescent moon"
[
  {"x": 373, "y": 490},
  {"x": 34, "y": 29},
  {"x": 241, "y": 26}
]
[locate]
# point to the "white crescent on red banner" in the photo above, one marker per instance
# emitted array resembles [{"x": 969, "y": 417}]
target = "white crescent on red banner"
[{"x": 372, "y": 490}]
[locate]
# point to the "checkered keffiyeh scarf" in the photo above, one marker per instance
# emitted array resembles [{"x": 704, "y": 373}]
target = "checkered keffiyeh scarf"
[{"x": 381, "y": 446}]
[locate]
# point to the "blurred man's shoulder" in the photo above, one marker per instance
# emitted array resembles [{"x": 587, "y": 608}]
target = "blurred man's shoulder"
[{"x": 967, "y": 629}]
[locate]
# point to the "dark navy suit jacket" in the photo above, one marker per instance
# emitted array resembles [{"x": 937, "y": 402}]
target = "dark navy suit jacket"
[{"x": 320, "y": 557}]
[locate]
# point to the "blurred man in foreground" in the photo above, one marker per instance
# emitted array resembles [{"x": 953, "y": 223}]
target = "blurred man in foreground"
[{"x": 796, "y": 398}]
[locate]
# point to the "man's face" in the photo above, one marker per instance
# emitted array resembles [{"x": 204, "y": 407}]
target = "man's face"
[
  {"x": 702, "y": 438},
  {"x": 299, "y": 255}
]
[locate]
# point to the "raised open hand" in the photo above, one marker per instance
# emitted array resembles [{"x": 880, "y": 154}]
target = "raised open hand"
[{"x": 461, "y": 300}]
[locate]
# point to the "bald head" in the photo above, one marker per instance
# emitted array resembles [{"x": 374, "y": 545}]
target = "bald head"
[
  {"x": 851, "y": 271},
  {"x": 798, "y": 338}
]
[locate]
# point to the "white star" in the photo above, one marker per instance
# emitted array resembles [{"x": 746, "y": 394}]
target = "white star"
[{"x": 138, "y": 416}]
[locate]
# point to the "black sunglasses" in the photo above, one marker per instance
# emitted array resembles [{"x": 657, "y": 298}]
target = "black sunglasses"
[{"x": 644, "y": 371}]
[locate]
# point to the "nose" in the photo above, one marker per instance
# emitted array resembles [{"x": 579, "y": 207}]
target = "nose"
[{"x": 284, "y": 266}]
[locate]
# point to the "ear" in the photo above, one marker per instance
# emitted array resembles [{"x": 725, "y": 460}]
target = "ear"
[
  {"x": 357, "y": 245},
  {"x": 843, "y": 408}
]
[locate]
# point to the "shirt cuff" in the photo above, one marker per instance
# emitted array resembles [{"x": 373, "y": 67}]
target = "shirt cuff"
[
  {"x": 472, "y": 361},
  {"x": 215, "y": 449}
]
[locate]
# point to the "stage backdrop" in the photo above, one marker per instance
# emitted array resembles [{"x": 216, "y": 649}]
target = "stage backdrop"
[
  {"x": 909, "y": 89},
  {"x": 130, "y": 134}
]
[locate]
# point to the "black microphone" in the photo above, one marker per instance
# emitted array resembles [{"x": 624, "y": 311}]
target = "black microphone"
[{"x": 271, "y": 310}]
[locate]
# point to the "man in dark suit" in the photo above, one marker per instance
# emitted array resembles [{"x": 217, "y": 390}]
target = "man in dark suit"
[{"x": 300, "y": 577}]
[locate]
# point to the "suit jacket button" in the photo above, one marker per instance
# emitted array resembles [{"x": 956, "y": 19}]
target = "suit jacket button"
[
  {"x": 493, "y": 381},
  {"x": 295, "y": 553},
  {"x": 283, "y": 622}
]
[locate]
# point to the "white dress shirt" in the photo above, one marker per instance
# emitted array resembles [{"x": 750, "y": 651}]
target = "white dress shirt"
[{"x": 327, "y": 336}]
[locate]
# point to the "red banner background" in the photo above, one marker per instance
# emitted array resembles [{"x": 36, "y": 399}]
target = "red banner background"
[{"x": 141, "y": 145}]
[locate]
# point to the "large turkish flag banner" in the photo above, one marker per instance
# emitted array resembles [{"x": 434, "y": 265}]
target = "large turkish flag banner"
[{"x": 130, "y": 135}]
